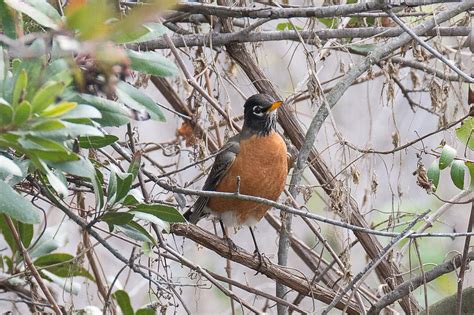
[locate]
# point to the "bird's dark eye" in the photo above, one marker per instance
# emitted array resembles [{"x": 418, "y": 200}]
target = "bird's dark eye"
[{"x": 257, "y": 110}]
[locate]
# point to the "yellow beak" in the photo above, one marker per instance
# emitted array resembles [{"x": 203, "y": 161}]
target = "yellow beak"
[{"x": 274, "y": 106}]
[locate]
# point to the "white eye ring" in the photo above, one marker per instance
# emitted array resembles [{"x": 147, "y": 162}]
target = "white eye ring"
[{"x": 257, "y": 110}]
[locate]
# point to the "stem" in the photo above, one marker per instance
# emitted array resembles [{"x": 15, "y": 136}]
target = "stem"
[
  {"x": 31, "y": 266},
  {"x": 462, "y": 270}
]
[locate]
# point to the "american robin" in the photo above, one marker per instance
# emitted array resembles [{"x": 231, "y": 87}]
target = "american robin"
[{"x": 254, "y": 161}]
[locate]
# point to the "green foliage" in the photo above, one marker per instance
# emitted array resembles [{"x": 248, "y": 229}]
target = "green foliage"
[
  {"x": 152, "y": 63},
  {"x": 123, "y": 300},
  {"x": 465, "y": 132},
  {"x": 283, "y": 26},
  {"x": 433, "y": 173},
  {"x": 62, "y": 265},
  {"x": 50, "y": 109}
]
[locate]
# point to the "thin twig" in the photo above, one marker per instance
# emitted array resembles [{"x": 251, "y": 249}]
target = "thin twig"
[
  {"x": 31, "y": 265},
  {"x": 433, "y": 51},
  {"x": 462, "y": 270},
  {"x": 364, "y": 273},
  {"x": 410, "y": 285}
]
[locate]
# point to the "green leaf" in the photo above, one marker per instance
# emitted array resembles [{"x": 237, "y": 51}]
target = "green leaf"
[
  {"x": 470, "y": 167},
  {"x": 47, "y": 125},
  {"x": 155, "y": 30},
  {"x": 145, "y": 311},
  {"x": 113, "y": 113},
  {"x": 163, "y": 212},
  {"x": 47, "y": 149},
  {"x": 58, "y": 185},
  {"x": 97, "y": 142},
  {"x": 37, "y": 10},
  {"x": 82, "y": 167},
  {"x": 287, "y": 26},
  {"x": 6, "y": 170},
  {"x": 433, "y": 173},
  {"x": 20, "y": 86},
  {"x": 152, "y": 63},
  {"x": 8, "y": 22},
  {"x": 71, "y": 131},
  {"x": 465, "y": 133},
  {"x": 26, "y": 233},
  {"x": 62, "y": 265},
  {"x": 117, "y": 218},
  {"x": 9, "y": 167},
  {"x": 137, "y": 100},
  {"x": 7, "y": 235},
  {"x": 133, "y": 198},
  {"x": 22, "y": 113},
  {"x": 447, "y": 156},
  {"x": 82, "y": 111},
  {"x": 134, "y": 166},
  {"x": 363, "y": 48},
  {"x": 112, "y": 188},
  {"x": 17, "y": 207},
  {"x": 329, "y": 22},
  {"x": 6, "y": 112},
  {"x": 46, "y": 95},
  {"x": 140, "y": 229},
  {"x": 123, "y": 300},
  {"x": 130, "y": 36},
  {"x": 457, "y": 173},
  {"x": 59, "y": 109},
  {"x": 124, "y": 181}
]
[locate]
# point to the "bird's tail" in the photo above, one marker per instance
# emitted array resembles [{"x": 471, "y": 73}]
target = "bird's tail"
[{"x": 197, "y": 211}]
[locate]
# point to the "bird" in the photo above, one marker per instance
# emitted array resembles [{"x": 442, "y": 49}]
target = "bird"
[{"x": 253, "y": 162}]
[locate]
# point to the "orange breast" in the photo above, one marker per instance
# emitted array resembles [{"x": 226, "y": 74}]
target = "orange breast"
[{"x": 263, "y": 167}]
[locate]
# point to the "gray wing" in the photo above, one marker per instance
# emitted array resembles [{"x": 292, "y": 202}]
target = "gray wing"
[{"x": 221, "y": 165}]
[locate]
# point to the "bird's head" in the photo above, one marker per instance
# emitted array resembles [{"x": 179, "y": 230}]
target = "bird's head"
[{"x": 260, "y": 114}]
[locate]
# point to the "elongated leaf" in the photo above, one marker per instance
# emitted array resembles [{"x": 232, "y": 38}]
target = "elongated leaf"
[
  {"x": 46, "y": 95},
  {"x": 457, "y": 173},
  {"x": 97, "y": 142},
  {"x": 363, "y": 48},
  {"x": 26, "y": 233},
  {"x": 17, "y": 207},
  {"x": 134, "y": 166},
  {"x": 71, "y": 131},
  {"x": 141, "y": 230},
  {"x": 59, "y": 109},
  {"x": 447, "y": 156},
  {"x": 433, "y": 173},
  {"x": 145, "y": 311},
  {"x": 470, "y": 167},
  {"x": 113, "y": 113},
  {"x": 136, "y": 99},
  {"x": 152, "y": 63},
  {"x": 62, "y": 265},
  {"x": 8, "y": 22},
  {"x": 34, "y": 11},
  {"x": 47, "y": 125},
  {"x": 9, "y": 167},
  {"x": 66, "y": 284},
  {"x": 124, "y": 181},
  {"x": 20, "y": 86},
  {"x": 163, "y": 212},
  {"x": 47, "y": 149},
  {"x": 465, "y": 133},
  {"x": 82, "y": 111},
  {"x": 6, "y": 113},
  {"x": 117, "y": 218},
  {"x": 155, "y": 30},
  {"x": 22, "y": 113},
  {"x": 58, "y": 185},
  {"x": 123, "y": 301}
]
